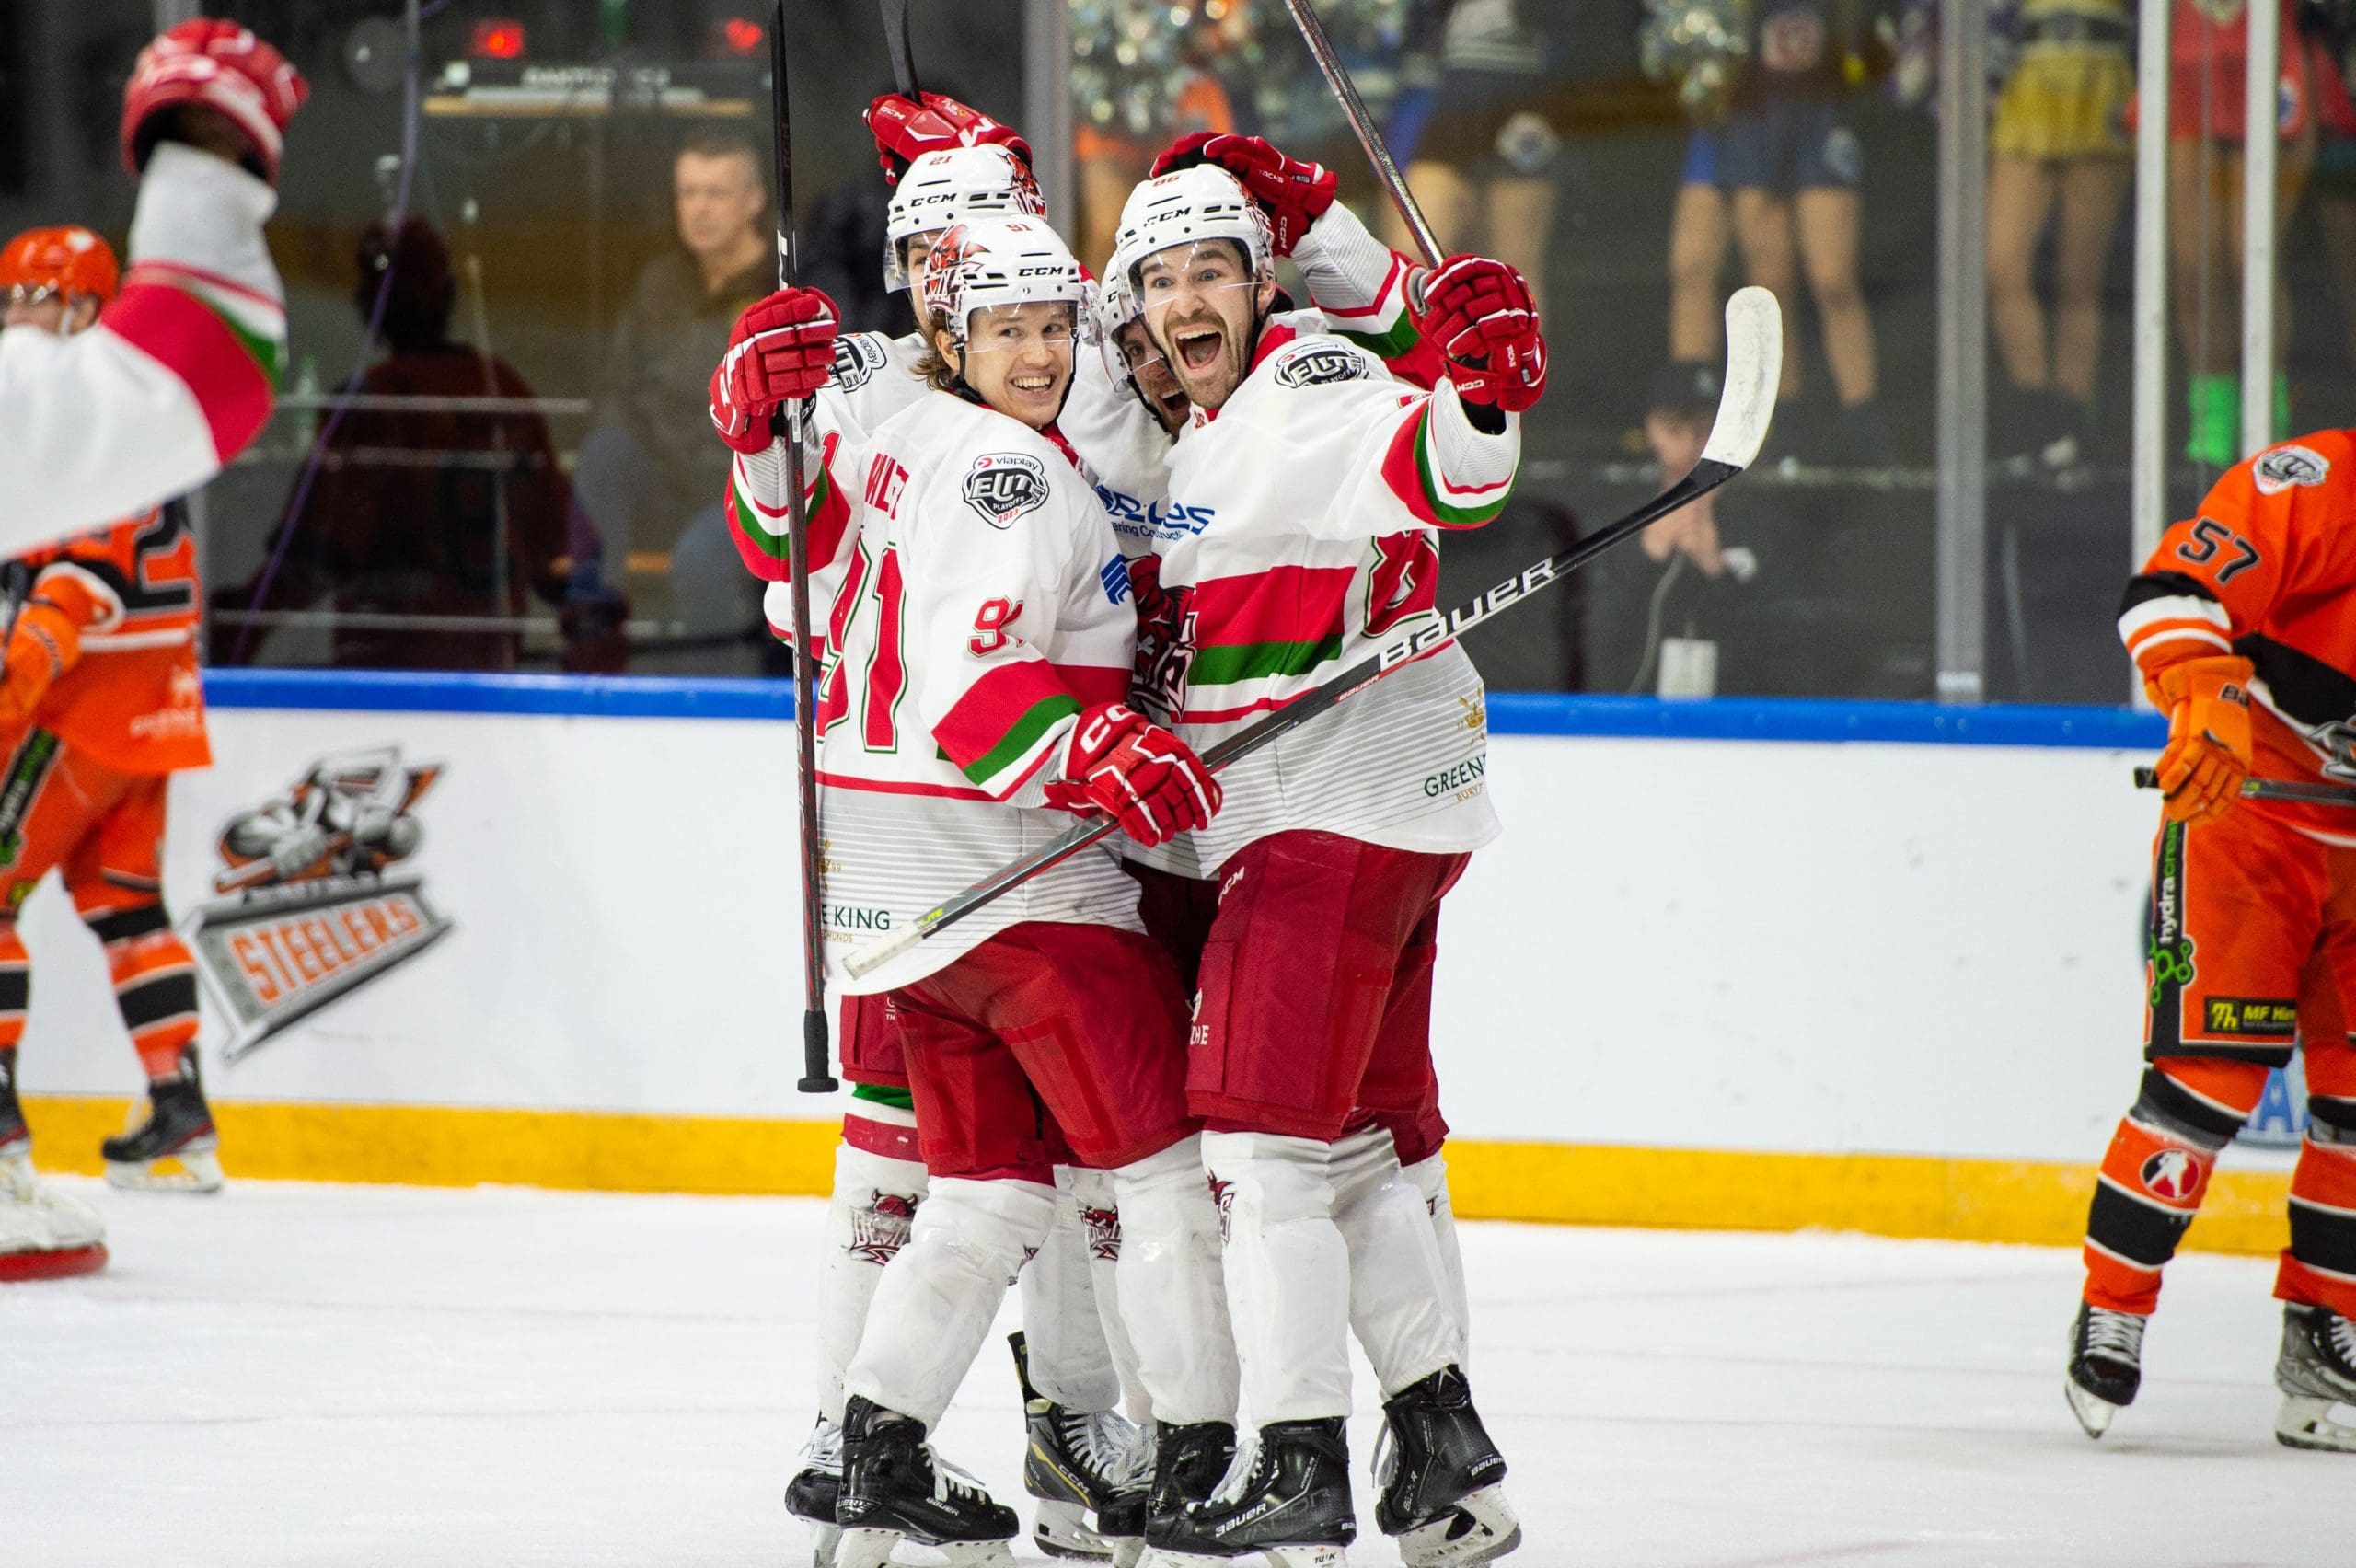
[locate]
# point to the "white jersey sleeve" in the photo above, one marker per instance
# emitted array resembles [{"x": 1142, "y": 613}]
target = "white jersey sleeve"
[
  {"x": 1358, "y": 285},
  {"x": 174, "y": 380}
]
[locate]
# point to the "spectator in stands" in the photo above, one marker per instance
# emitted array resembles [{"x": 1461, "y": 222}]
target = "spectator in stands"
[
  {"x": 649, "y": 477},
  {"x": 414, "y": 519}
]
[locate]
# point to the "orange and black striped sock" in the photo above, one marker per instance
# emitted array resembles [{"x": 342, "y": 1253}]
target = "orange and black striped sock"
[{"x": 2156, "y": 1171}]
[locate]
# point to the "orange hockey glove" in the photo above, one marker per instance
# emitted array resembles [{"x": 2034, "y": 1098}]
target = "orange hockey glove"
[
  {"x": 45, "y": 645},
  {"x": 2207, "y": 702}
]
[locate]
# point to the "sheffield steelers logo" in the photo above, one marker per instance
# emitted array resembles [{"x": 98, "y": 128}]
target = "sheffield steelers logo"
[{"x": 2173, "y": 1175}]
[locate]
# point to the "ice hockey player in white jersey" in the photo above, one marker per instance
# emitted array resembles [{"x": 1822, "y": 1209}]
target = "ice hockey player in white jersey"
[
  {"x": 980, "y": 647},
  {"x": 179, "y": 374},
  {"x": 1304, "y": 495},
  {"x": 951, "y": 164}
]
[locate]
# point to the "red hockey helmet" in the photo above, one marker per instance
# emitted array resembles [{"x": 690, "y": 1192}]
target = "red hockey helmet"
[{"x": 70, "y": 261}]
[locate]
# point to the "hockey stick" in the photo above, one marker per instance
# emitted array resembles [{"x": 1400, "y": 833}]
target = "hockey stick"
[
  {"x": 2270, "y": 790},
  {"x": 1337, "y": 77},
  {"x": 895, "y": 42},
  {"x": 817, "y": 1077},
  {"x": 1754, "y": 366}
]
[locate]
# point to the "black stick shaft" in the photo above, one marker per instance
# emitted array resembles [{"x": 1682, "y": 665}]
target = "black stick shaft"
[
  {"x": 1707, "y": 477},
  {"x": 896, "y": 41},
  {"x": 817, "y": 1077},
  {"x": 2270, "y": 790},
  {"x": 1337, "y": 77}
]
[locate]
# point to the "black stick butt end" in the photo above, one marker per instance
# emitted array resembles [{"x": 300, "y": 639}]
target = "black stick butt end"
[
  {"x": 2147, "y": 778},
  {"x": 816, "y": 1054}
]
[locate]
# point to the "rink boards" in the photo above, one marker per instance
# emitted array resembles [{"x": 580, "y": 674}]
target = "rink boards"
[{"x": 1734, "y": 963}]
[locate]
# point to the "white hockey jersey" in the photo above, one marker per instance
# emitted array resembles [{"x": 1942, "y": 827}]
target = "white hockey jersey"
[
  {"x": 984, "y": 605},
  {"x": 1300, "y": 536},
  {"x": 176, "y": 378}
]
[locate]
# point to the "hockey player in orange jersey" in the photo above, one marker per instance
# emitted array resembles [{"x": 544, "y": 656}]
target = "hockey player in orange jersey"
[
  {"x": 100, "y": 703},
  {"x": 2241, "y": 627}
]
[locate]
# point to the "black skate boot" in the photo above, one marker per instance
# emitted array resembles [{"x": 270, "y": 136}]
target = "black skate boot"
[
  {"x": 2106, "y": 1365},
  {"x": 2316, "y": 1371},
  {"x": 1080, "y": 1464},
  {"x": 893, "y": 1486},
  {"x": 16, "y": 1138},
  {"x": 1189, "y": 1464},
  {"x": 179, "y": 1126},
  {"x": 1292, "y": 1506},
  {"x": 811, "y": 1495},
  {"x": 1443, "y": 1480}
]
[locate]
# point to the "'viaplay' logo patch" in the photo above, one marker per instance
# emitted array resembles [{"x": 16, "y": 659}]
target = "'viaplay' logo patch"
[{"x": 314, "y": 913}]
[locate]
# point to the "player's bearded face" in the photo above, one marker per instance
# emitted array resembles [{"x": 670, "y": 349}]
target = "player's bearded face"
[
  {"x": 1203, "y": 306},
  {"x": 1018, "y": 358},
  {"x": 1152, "y": 372}
]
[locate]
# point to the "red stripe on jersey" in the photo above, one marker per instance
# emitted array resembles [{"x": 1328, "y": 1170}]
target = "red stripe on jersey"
[
  {"x": 165, "y": 272},
  {"x": 982, "y": 720},
  {"x": 1284, "y": 604},
  {"x": 191, "y": 341}
]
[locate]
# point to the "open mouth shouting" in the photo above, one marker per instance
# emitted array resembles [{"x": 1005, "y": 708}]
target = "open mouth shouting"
[{"x": 1199, "y": 348}]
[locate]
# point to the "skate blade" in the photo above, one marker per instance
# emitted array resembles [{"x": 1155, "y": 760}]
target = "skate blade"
[
  {"x": 1062, "y": 1530},
  {"x": 1273, "y": 1556},
  {"x": 1480, "y": 1529},
  {"x": 53, "y": 1262},
  {"x": 1128, "y": 1551},
  {"x": 825, "y": 1541},
  {"x": 2094, "y": 1414},
  {"x": 2304, "y": 1421},
  {"x": 190, "y": 1170},
  {"x": 16, "y": 1178}
]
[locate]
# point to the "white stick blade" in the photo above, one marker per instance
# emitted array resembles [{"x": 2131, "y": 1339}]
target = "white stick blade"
[
  {"x": 1754, "y": 375},
  {"x": 865, "y": 960}
]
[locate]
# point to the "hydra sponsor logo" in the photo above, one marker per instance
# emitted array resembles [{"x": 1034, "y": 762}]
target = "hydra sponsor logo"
[
  {"x": 2286, "y": 465},
  {"x": 1465, "y": 775},
  {"x": 857, "y": 358},
  {"x": 28, "y": 769},
  {"x": 1004, "y": 485},
  {"x": 2265, "y": 1017},
  {"x": 2173, "y": 1176},
  {"x": 858, "y": 917},
  {"x": 313, "y": 915},
  {"x": 2169, "y": 953},
  {"x": 1316, "y": 365}
]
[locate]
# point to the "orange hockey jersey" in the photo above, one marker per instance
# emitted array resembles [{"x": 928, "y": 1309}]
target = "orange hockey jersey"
[
  {"x": 2267, "y": 569},
  {"x": 133, "y": 701}
]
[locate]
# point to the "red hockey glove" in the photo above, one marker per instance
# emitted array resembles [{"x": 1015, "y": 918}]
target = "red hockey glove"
[
  {"x": 45, "y": 645},
  {"x": 1137, "y": 772},
  {"x": 782, "y": 349},
  {"x": 2207, "y": 702},
  {"x": 1294, "y": 195},
  {"x": 1480, "y": 315},
  {"x": 216, "y": 65},
  {"x": 904, "y": 131}
]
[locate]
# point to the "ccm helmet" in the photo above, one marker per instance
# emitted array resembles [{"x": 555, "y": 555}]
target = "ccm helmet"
[
  {"x": 994, "y": 262},
  {"x": 949, "y": 187},
  {"x": 1188, "y": 206}
]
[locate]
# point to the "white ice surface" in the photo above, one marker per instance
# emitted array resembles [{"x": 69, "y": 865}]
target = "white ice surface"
[{"x": 312, "y": 1375}]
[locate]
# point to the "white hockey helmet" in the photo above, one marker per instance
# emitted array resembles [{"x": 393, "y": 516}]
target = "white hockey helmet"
[
  {"x": 985, "y": 262},
  {"x": 1117, "y": 308},
  {"x": 948, "y": 187},
  {"x": 1188, "y": 206}
]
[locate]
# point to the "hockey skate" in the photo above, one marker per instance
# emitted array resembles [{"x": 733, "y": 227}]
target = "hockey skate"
[
  {"x": 1291, "y": 1505},
  {"x": 896, "y": 1488},
  {"x": 2106, "y": 1365},
  {"x": 1078, "y": 1463},
  {"x": 43, "y": 1233},
  {"x": 2316, "y": 1370},
  {"x": 1189, "y": 1462},
  {"x": 1443, "y": 1480},
  {"x": 16, "y": 1138},
  {"x": 179, "y": 1129},
  {"x": 811, "y": 1495}
]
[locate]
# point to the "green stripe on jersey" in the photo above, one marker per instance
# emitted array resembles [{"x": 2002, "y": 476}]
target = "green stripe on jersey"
[
  {"x": 1226, "y": 664},
  {"x": 1041, "y": 716}
]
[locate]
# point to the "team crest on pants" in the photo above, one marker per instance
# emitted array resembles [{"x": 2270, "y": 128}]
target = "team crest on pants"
[
  {"x": 2173, "y": 1176},
  {"x": 1223, "y": 1194},
  {"x": 314, "y": 910},
  {"x": 1104, "y": 1233},
  {"x": 879, "y": 1228}
]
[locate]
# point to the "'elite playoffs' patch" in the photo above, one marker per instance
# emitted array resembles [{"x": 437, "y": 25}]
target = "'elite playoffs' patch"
[
  {"x": 1314, "y": 364},
  {"x": 2288, "y": 465},
  {"x": 1005, "y": 485}
]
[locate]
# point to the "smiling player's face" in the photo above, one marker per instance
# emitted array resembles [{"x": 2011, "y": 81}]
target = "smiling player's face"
[
  {"x": 1018, "y": 358},
  {"x": 1201, "y": 307}
]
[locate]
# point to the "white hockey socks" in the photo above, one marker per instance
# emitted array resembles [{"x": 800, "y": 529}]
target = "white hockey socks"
[
  {"x": 1398, "y": 1306},
  {"x": 1287, "y": 1273},
  {"x": 1170, "y": 1272},
  {"x": 875, "y": 1198},
  {"x": 933, "y": 1308},
  {"x": 1071, "y": 1361},
  {"x": 1090, "y": 1193},
  {"x": 1430, "y": 1178}
]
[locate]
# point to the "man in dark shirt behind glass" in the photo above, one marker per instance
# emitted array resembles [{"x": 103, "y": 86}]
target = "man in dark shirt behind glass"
[{"x": 649, "y": 478}]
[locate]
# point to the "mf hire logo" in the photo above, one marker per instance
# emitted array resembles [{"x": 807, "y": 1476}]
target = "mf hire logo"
[{"x": 312, "y": 914}]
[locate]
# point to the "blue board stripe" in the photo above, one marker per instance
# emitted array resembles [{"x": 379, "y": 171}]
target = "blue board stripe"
[{"x": 1510, "y": 712}]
